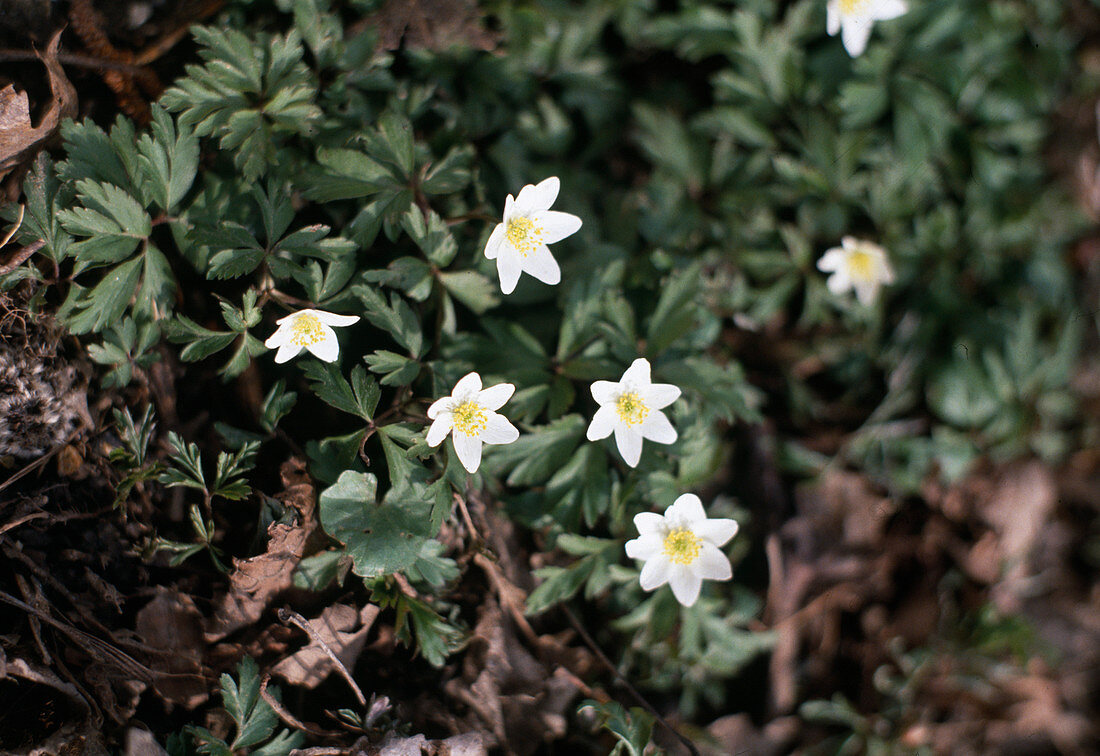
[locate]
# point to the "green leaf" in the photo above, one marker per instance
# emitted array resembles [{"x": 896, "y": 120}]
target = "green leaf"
[
  {"x": 471, "y": 289},
  {"x": 451, "y": 174},
  {"x": 45, "y": 196},
  {"x": 346, "y": 174},
  {"x": 558, "y": 584},
  {"x": 107, "y": 301},
  {"x": 394, "y": 142},
  {"x": 632, "y": 730},
  {"x": 255, "y": 720},
  {"x": 397, "y": 317},
  {"x": 168, "y": 159},
  {"x": 398, "y": 370},
  {"x": 677, "y": 310},
  {"x": 201, "y": 342},
  {"x": 360, "y": 397},
  {"x": 381, "y": 538},
  {"x": 116, "y": 204},
  {"x": 535, "y": 456},
  {"x": 431, "y": 235}
]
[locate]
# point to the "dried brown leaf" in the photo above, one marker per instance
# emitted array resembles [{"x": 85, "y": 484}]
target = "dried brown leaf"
[
  {"x": 431, "y": 24},
  {"x": 344, "y": 630},
  {"x": 171, "y": 623},
  {"x": 19, "y": 137},
  {"x": 255, "y": 582}
]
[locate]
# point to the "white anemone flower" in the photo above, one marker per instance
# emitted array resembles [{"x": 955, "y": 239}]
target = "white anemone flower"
[
  {"x": 469, "y": 415},
  {"x": 631, "y": 408},
  {"x": 854, "y": 19},
  {"x": 519, "y": 243},
  {"x": 681, "y": 548},
  {"x": 859, "y": 265},
  {"x": 309, "y": 329}
]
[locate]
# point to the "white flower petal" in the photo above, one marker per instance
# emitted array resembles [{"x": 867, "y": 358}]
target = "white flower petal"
[
  {"x": 649, "y": 523},
  {"x": 686, "y": 510},
  {"x": 604, "y": 392},
  {"x": 832, "y": 18},
  {"x": 867, "y": 292},
  {"x": 542, "y": 265},
  {"x": 884, "y": 10},
  {"x": 509, "y": 208},
  {"x": 496, "y": 239},
  {"x": 833, "y": 259},
  {"x": 855, "y": 33},
  {"x": 645, "y": 547},
  {"x": 509, "y": 268},
  {"x": 886, "y": 272},
  {"x": 717, "y": 531},
  {"x": 286, "y": 352},
  {"x": 498, "y": 430},
  {"x": 439, "y": 430},
  {"x": 495, "y": 397},
  {"x": 603, "y": 422},
  {"x": 467, "y": 386},
  {"x": 278, "y": 339},
  {"x": 468, "y": 449},
  {"x": 440, "y": 405},
  {"x": 712, "y": 564},
  {"x": 332, "y": 319},
  {"x": 629, "y": 442},
  {"x": 655, "y": 573},
  {"x": 538, "y": 197},
  {"x": 838, "y": 282},
  {"x": 685, "y": 584},
  {"x": 327, "y": 348},
  {"x": 659, "y": 395},
  {"x": 637, "y": 375},
  {"x": 556, "y": 225},
  {"x": 656, "y": 427}
]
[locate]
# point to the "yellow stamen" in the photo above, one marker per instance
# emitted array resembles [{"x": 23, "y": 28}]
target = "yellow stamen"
[
  {"x": 306, "y": 330},
  {"x": 523, "y": 235},
  {"x": 848, "y": 7},
  {"x": 861, "y": 265},
  {"x": 469, "y": 418},
  {"x": 631, "y": 408},
  {"x": 682, "y": 546}
]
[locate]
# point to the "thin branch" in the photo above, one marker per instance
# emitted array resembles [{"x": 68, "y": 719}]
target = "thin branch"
[
  {"x": 289, "y": 718},
  {"x": 71, "y": 59},
  {"x": 626, "y": 683},
  {"x": 292, "y": 617},
  {"x": 21, "y": 257}
]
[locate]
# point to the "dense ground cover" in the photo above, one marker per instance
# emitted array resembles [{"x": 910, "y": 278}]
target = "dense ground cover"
[{"x": 224, "y": 544}]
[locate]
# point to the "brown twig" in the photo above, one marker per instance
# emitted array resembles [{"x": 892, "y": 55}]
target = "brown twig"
[
  {"x": 21, "y": 257},
  {"x": 287, "y": 615},
  {"x": 71, "y": 59},
  {"x": 289, "y": 718},
  {"x": 626, "y": 683}
]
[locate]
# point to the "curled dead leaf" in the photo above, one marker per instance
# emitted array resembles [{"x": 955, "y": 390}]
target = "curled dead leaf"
[
  {"x": 256, "y": 581},
  {"x": 20, "y": 139}
]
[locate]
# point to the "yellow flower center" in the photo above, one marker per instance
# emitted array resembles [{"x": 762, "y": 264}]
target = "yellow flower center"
[
  {"x": 631, "y": 408},
  {"x": 848, "y": 7},
  {"x": 469, "y": 418},
  {"x": 682, "y": 546},
  {"x": 861, "y": 266},
  {"x": 523, "y": 235},
  {"x": 306, "y": 330}
]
